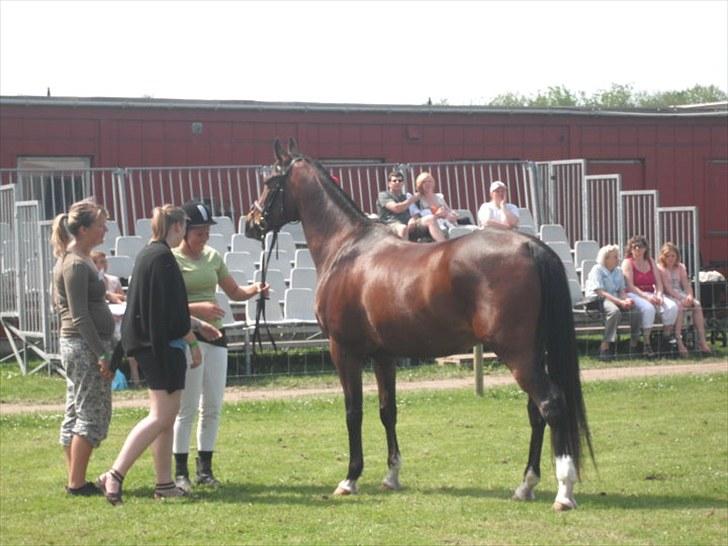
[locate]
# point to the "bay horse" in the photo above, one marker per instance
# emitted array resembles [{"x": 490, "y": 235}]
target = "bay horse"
[{"x": 381, "y": 297}]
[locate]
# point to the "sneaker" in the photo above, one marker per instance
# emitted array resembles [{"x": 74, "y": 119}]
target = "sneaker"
[
  {"x": 86, "y": 490},
  {"x": 207, "y": 479},
  {"x": 184, "y": 483}
]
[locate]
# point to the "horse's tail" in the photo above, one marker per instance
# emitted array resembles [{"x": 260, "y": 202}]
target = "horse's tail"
[{"x": 557, "y": 339}]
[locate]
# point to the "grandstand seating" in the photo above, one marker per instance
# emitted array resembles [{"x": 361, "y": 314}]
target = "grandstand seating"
[
  {"x": 585, "y": 250},
  {"x": 224, "y": 227},
  {"x": 459, "y": 231},
  {"x": 143, "y": 228},
  {"x": 120, "y": 266},
  {"x": 586, "y": 267},
  {"x": 303, "y": 258},
  {"x": 284, "y": 242},
  {"x": 128, "y": 245},
  {"x": 239, "y": 260},
  {"x": 298, "y": 305},
  {"x": 218, "y": 242},
  {"x": 296, "y": 231},
  {"x": 553, "y": 233},
  {"x": 280, "y": 260},
  {"x": 303, "y": 277},
  {"x": 465, "y": 213},
  {"x": 275, "y": 280},
  {"x": 240, "y": 243}
]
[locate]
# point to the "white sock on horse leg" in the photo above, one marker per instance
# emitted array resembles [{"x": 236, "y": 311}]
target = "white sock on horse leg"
[{"x": 566, "y": 476}]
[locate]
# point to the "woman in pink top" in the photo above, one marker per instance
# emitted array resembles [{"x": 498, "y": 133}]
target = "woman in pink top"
[
  {"x": 677, "y": 288},
  {"x": 644, "y": 287}
]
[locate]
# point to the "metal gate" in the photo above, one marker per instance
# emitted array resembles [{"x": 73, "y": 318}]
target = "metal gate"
[
  {"x": 8, "y": 293},
  {"x": 602, "y": 209},
  {"x": 563, "y": 196},
  {"x": 640, "y": 217},
  {"x": 679, "y": 225}
]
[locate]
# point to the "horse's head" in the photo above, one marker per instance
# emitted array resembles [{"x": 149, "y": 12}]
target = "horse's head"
[{"x": 273, "y": 209}]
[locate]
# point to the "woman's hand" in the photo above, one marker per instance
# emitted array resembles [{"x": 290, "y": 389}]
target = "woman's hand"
[
  {"x": 689, "y": 301},
  {"x": 262, "y": 288},
  {"x": 626, "y": 304},
  {"x": 207, "y": 310},
  {"x": 196, "y": 355},
  {"x": 113, "y": 297},
  {"x": 104, "y": 365},
  {"x": 208, "y": 331}
]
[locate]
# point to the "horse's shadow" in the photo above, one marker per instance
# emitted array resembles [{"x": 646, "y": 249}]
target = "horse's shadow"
[{"x": 311, "y": 494}]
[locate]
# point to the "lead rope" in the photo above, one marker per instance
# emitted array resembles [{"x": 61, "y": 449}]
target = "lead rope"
[{"x": 260, "y": 304}]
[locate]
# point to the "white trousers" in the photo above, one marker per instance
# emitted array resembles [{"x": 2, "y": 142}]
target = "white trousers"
[
  {"x": 204, "y": 392},
  {"x": 668, "y": 310}
]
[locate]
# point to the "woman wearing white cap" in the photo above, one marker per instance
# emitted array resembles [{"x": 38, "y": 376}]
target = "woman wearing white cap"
[{"x": 496, "y": 212}]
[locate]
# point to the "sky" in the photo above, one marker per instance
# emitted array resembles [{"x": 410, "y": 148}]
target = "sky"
[{"x": 372, "y": 52}]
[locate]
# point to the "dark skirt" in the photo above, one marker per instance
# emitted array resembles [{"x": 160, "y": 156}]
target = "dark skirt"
[{"x": 158, "y": 378}]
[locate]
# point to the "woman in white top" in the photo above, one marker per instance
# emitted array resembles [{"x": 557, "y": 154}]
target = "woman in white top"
[
  {"x": 677, "y": 287},
  {"x": 433, "y": 204},
  {"x": 497, "y": 212}
]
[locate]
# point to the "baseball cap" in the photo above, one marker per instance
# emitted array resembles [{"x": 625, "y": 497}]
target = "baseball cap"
[{"x": 496, "y": 185}]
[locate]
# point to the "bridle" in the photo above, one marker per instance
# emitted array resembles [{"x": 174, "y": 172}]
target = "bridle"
[{"x": 275, "y": 198}]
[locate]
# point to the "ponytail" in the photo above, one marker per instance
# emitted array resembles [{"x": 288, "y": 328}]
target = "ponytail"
[
  {"x": 163, "y": 218},
  {"x": 60, "y": 236}
]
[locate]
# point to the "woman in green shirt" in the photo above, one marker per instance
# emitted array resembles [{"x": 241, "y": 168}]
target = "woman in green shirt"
[{"x": 203, "y": 269}]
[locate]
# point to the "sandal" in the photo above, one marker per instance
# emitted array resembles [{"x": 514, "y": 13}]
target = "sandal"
[
  {"x": 113, "y": 497},
  {"x": 168, "y": 490},
  {"x": 86, "y": 490}
]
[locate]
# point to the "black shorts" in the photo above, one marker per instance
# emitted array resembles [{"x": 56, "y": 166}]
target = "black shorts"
[{"x": 171, "y": 378}]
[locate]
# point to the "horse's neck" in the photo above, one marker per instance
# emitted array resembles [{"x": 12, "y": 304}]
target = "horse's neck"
[{"x": 328, "y": 221}]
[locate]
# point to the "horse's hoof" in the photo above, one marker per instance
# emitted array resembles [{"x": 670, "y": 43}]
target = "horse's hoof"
[
  {"x": 564, "y": 505},
  {"x": 346, "y": 487},
  {"x": 524, "y": 495},
  {"x": 342, "y": 492},
  {"x": 391, "y": 486}
]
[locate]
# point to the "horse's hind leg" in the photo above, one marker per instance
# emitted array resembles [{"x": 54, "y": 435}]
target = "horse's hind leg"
[
  {"x": 349, "y": 368},
  {"x": 386, "y": 372},
  {"x": 532, "y": 474}
]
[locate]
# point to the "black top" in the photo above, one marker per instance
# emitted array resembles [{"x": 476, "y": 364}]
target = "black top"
[{"x": 156, "y": 305}]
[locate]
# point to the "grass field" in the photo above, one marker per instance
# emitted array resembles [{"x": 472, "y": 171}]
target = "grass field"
[{"x": 661, "y": 445}]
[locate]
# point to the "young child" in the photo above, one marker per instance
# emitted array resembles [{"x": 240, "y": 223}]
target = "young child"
[{"x": 115, "y": 294}]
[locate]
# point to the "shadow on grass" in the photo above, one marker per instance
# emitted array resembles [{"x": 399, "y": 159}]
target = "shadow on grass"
[{"x": 311, "y": 495}]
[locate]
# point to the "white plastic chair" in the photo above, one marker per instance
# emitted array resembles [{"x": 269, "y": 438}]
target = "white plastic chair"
[
  {"x": 240, "y": 243},
  {"x": 575, "y": 291},
  {"x": 296, "y": 231},
  {"x": 562, "y": 250},
  {"x": 120, "y": 266},
  {"x": 273, "y": 311},
  {"x": 303, "y": 277},
  {"x": 224, "y": 227},
  {"x": 218, "y": 242},
  {"x": 459, "y": 231},
  {"x": 242, "y": 277},
  {"x": 585, "y": 250},
  {"x": 298, "y": 306},
  {"x": 553, "y": 233},
  {"x": 525, "y": 217},
  {"x": 128, "y": 245},
  {"x": 143, "y": 228},
  {"x": 280, "y": 260},
  {"x": 585, "y": 268},
  {"x": 285, "y": 242},
  {"x": 276, "y": 281},
  {"x": 239, "y": 260},
  {"x": 303, "y": 258}
]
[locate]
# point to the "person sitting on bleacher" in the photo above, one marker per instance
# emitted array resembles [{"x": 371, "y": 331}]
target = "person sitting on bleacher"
[
  {"x": 393, "y": 207},
  {"x": 497, "y": 212},
  {"x": 606, "y": 283},
  {"x": 644, "y": 287},
  {"x": 433, "y": 204},
  {"x": 677, "y": 287}
]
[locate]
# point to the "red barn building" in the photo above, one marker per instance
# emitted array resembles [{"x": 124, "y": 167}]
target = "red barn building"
[{"x": 683, "y": 153}]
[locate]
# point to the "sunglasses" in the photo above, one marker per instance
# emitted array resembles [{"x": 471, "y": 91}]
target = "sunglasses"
[{"x": 638, "y": 245}]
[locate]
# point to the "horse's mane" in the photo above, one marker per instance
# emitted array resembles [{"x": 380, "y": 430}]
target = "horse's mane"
[{"x": 331, "y": 186}]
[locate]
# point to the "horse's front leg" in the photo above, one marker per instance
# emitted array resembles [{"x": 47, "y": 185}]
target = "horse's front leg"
[
  {"x": 349, "y": 368},
  {"x": 386, "y": 373}
]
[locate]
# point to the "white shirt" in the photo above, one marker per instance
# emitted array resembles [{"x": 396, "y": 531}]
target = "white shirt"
[{"x": 488, "y": 211}]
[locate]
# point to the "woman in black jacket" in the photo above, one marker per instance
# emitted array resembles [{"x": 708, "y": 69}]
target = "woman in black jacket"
[{"x": 156, "y": 331}]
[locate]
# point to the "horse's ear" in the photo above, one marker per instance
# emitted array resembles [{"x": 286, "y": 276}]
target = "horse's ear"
[
  {"x": 278, "y": 150},
  {"x": 293, "y": 147}
]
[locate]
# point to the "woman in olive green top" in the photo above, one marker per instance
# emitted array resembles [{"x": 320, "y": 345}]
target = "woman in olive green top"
[
  {"x": 86, "y": 330},
  {"x": 203, "y": 269}
]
